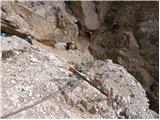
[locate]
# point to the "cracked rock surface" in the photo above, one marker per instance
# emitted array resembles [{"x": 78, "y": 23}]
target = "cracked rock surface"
[{"x": 30, "y": 73}]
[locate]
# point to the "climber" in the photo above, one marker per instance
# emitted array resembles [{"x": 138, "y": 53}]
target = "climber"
[
  {"x": 29, "y": 39},
  {"x": 3, "y": 34},
  {"x": 70, "y": 45}
]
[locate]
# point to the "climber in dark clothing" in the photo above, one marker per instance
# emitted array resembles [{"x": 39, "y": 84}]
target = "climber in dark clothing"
[
  {"x": 29, "y": 39},
  {"x": 70, "y": 45}
]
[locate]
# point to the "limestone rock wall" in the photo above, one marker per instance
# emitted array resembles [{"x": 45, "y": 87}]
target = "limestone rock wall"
[
  {"x": 47, "y": 22},
  {"x": 30, "y": 74},
  {"x": 126, "y": 32},
  {"x": 129, "y": 37},
  {"x": 90, "y": 14}
]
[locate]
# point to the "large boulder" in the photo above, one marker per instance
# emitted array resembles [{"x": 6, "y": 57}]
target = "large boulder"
[{"x": 89, "y": 13}]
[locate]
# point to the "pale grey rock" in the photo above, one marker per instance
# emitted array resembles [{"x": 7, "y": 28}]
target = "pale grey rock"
[
  {"x": 32, "y": 59},
  {"x": 87, "y": 11},
  {"x": 130, "y": 100},
  {"x": 14, "y": 43},
  {"x": 36, "y": 81}
]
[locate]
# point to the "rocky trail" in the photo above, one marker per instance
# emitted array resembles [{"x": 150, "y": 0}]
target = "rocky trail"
[{"x": 30, "y": 74}]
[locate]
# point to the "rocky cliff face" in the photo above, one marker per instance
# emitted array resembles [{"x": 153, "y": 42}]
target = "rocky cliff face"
[
  {"x": 30, "y": 74},
  {"x": 47, "y": 21},
  {"x": 126, "y": 32},
  {"x": 129, "y": 36},
  {"x": 90, "y": 14}
]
